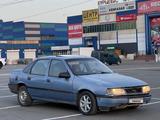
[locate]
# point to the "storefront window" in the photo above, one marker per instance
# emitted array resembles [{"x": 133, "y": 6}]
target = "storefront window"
[{"x": 110, "y": 27}]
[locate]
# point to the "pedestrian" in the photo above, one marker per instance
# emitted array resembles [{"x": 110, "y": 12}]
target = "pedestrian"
[{"x": 156, "y": 55}]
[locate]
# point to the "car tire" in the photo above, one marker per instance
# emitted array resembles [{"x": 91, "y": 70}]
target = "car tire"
[
  {"x": 110, "y": 63},
  {"x": 24, "y": 99},
  {"x": 87, "y": 103},
  {"x": 1, "y": 65}
]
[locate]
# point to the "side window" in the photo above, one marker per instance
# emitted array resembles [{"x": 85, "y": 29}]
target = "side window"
[
  {"x": 57, "y": 67},
  {"x": 40, "y": 67},
  {"x": 27, "y": 69}
]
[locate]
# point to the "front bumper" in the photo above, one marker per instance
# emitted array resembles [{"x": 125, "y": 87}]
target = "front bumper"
[{"x": 111, "y": 102}]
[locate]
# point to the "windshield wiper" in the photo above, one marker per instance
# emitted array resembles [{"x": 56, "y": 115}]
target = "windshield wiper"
[{"x": 104, "y": 72}]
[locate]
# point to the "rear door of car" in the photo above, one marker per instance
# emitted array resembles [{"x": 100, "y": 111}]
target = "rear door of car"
[
  {"x": 36, "y": 79},
  {"x": 60, "y": 89}
]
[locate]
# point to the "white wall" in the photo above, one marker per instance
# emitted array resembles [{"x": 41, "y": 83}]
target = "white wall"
[
  {"x": 30, "y": 53},
  {"x": 141, "y": 34},
  {"x": 75, "y": 41},
  {"x": 127, "y": 36},
  {"x": 108, "y": 37},
  {"x": 12, "y": 55}
]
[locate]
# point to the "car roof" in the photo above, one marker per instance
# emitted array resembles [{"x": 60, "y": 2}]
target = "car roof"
[{"x": 64, "y": 57}]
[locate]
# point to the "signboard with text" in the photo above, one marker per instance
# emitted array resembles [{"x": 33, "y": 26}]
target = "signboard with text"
[
  {"x": 107, "y": 18},
  {"x": 90, "y": 16},
  {"x": 148, "y": 6},
  {"x": 75, "y": 30},
  {"x": 128, "y": 17},
  {"x": 105, "y": 2},
  {"x": 117, "y": 7}
]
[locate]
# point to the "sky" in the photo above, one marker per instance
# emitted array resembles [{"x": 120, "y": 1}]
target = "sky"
[{"x": 43, "y": 10}]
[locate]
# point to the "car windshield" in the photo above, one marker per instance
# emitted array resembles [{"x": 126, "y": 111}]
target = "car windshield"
[{"x": 87, "y": 66}]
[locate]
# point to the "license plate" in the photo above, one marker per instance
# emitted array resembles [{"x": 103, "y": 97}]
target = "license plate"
[{"x": 136, "y": 100}]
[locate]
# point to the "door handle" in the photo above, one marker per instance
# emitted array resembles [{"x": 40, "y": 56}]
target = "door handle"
[
  {"x": 29, "y": 78},
  {"x": 48, "y": 80}
]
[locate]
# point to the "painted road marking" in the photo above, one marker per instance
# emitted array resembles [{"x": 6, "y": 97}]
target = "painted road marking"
[
  {"x": 9, "y": 107},
  {"x": 156, "y": 99},
  {"x": 4, "y": 89},
  {"x": 155, "y": 88},
  {"x": 7, "y": 96},
  {"x": 63, "y": 117},
  {"x": 3, "y": 86},
  {"x": 152, "y": 103},
  {"x": 75, "y": 115},
  {"x": 4, "y": 74}
]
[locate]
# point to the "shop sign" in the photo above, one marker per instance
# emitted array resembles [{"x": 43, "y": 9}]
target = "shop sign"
[
  {"x": 105, "y": 2},
  {"x": 107, "y": 18},
  {"x": 75, "y": 30},
  {"x": 90, "y": 16},
  {"x": 148, "y": 6},
  {"x": 117, "y": 7},
  {"x": 128, "y": 17}
]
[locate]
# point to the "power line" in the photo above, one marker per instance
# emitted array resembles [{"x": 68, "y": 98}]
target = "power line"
[
  {"x": 54, "y": 10},
  {"x": 14, "y": 2}
]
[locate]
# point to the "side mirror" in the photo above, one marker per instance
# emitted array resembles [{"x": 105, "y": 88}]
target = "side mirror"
[{"x": 64, "y": 75}]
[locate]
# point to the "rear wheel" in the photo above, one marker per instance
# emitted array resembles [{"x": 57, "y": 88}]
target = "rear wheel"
[
  {"x": 110, "y": 63},
  {"x": 24, "y": 99},
  {"x": 87, "y": 103}
]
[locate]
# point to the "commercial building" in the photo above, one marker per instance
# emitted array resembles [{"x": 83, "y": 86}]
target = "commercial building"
[
  {"x": 28, "y": 39},
  {"x": 131, "y": 26}
]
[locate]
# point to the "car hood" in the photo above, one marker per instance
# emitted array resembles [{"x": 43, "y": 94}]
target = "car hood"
[{"x": 113, "y": 80}]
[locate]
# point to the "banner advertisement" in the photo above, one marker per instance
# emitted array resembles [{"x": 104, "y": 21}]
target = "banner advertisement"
[
  {"x": 105, "y": 2},
  {"x": 155, "y": 31},
  {"x": 117, "y": 7},
  {"x": 90, "y": 16},
  {"x": 128, "y": 17},
  {"x": 107, "y": 18},
  {"x": 75, "y": 30},
  {"x": 148, "y": 6}
]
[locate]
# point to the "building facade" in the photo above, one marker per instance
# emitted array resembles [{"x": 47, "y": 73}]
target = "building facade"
[
  {"x": 24, "y": 36},
  {"x": 131, "y": 26}
]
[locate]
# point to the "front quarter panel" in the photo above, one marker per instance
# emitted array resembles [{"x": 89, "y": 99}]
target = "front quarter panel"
[{"x": 92, "y": 86}]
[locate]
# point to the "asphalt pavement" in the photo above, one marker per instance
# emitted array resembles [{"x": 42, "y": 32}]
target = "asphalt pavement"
[{"x": 147, "y": 71}]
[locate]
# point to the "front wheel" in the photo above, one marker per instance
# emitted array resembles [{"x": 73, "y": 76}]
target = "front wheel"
[
  {"x": 24, "y": 99},
  {"x": 87, "y": 103}
]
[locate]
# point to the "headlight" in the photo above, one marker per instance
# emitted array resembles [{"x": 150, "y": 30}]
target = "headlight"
[
  {"x": 146, "y": 89},
  {"x": 116, "y": 92}
]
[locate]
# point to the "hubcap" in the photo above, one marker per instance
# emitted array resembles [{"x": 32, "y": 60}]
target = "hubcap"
[
  {"x": 23, "y": 96},
  {"x": 85, "y": 103}
]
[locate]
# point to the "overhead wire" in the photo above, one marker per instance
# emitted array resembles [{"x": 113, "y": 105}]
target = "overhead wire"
[
  {"x": 2, "y": 5},
  {"x": 54, "y": 10}
]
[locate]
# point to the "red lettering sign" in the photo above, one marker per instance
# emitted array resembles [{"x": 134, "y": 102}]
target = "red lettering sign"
[
  {"x": 128, "y": 17},
  {"x": 75, "y": 30},
  {"x": 148, "y": 6}
]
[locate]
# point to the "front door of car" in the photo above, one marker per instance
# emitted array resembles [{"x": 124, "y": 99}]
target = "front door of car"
[
  {"x": 61, "y": 89},
  {"x": 36, "y": 79}
]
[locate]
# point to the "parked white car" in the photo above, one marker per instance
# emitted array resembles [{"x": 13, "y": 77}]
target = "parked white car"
[{"x": 2, "y": 62}]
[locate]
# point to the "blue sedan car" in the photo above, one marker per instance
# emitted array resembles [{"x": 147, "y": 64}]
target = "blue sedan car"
[{"x": 77, "y": 80}]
